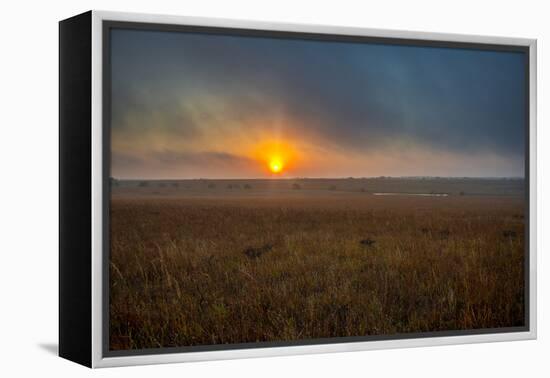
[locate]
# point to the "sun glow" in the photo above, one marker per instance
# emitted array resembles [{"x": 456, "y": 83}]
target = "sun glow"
[
  {"x": 275, "y": 165},
  {"x": 277, "y": 156}
]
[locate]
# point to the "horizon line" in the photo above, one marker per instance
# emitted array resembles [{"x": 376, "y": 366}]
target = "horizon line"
[{"x": 324, "y": 178}]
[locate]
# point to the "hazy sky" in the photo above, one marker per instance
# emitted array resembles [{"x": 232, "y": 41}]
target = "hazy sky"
[{"x": 196, "y": 105}]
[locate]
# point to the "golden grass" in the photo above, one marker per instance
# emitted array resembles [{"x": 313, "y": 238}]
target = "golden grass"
[{"x": 180, "y": 274}]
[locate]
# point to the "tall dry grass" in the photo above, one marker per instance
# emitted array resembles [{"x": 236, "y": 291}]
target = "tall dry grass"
[{"x": 180, "y": 276}]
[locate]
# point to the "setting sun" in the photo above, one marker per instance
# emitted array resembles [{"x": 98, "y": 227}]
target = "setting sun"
[
  {"x": 278, "y": 157},
  {"x": 275, "y": 165}
]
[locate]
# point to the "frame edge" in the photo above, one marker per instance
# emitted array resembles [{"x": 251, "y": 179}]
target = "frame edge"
[{"x": 75, "y": 285}]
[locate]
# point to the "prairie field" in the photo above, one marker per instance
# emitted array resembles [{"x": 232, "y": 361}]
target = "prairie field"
[{"x": 202, "y": 262}]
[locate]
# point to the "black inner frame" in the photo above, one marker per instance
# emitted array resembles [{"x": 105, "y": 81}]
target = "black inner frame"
[{"x": 107, "y": 26}]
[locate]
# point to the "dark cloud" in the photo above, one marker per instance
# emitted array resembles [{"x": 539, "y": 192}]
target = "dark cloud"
[
  {"x": 355, "y": 96},
  {"x": 207, "y": 158},
  {"x": 190, "y": 164}
]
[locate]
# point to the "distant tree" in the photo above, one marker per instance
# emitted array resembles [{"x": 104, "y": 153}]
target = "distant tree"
[
  {"x": 296, "y": 186},
  {"x": 229, "y": 186},
  {"x": 332, "y": 187},
  {"x": 211, "y": 186},
  {"x": 162, "y": 184},
  {"x": 176, "y": 184},
  {"x": 143, "y": 184},
  {"x": 461, "y": 193},
  {"x": 247, "y": 186}
]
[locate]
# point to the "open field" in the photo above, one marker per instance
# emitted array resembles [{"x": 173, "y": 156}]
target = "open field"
[
  {"x": 196, "y": 262},
  {"x": 305, "y": 186}
]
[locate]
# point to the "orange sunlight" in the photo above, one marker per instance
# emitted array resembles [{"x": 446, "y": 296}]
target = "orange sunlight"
[
  {"x": 277, "y": 156},
  {"x": 275, "y": 165}
]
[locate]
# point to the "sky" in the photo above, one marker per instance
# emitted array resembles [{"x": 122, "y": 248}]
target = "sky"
[{"x": 189, "y": 105}]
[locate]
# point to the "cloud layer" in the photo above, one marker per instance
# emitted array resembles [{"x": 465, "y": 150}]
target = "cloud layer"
[{"x": 197, "y": 105}]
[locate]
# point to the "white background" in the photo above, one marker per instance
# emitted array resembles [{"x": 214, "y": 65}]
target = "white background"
[{"x": 28, "y": 190}]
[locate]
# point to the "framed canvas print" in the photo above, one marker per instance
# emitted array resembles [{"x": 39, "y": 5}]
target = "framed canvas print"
[{"x": 238, "y": 189}]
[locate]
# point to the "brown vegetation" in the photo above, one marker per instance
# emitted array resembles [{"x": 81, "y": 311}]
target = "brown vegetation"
[{"x": 195, "y": 271}]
